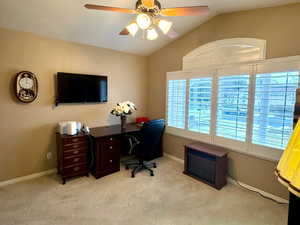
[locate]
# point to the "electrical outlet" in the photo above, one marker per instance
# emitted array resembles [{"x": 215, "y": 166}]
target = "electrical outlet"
[{"x": 49, "y": 155}]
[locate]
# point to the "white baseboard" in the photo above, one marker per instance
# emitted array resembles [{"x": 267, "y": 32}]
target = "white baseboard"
[
  {"x": 268, "y": 195},
  {"x": 28, "y": 177},
  {"x": 174, "y": 158},
  {"x": 232, "y": 181}
]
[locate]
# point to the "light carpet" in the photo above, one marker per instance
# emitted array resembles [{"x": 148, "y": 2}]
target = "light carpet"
[{"x": 168, "y": 198}]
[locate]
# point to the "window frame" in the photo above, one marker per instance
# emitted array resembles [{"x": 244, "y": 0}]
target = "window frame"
[
  {"x": 238, "y": 70},
  {"x": 251, "y": 69}
]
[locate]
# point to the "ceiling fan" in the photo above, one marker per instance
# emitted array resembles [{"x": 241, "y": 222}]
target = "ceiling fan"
[{"x": 149, "y": 17}]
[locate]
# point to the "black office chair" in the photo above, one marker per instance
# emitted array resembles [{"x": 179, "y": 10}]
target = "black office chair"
[{"x": 149, "y": 146}]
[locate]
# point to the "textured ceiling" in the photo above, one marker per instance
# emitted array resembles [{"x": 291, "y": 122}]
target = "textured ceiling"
[{"x": 69, "y": 20}]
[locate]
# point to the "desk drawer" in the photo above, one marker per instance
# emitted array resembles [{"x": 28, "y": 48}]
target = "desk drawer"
[
  {"x": 73, "y": 160},
  {"x": 112, "y": 140},
  {"x": 77, "y": 145},
  {"x": 74, "y": 140},
  {"x": 108, "y": 148},
  {"x": 75, "y": 169},
  {"x": 110, "y": 153},
  {"x": 106, "y": 157},
  {"x": 113, "y": 162},
  {"x": 75, "y": 152}
]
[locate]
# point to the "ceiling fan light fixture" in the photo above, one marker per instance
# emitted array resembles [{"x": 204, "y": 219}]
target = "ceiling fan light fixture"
[
  {"x": 132, "y": 28},
  {"x": 165, "y": 26},
  {"x": 152, "y": 34},
  {"x": 143, "y": 21}
]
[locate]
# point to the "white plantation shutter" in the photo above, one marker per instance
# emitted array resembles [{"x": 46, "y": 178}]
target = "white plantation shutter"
[
  {"x": 232, "y": 107},
  {"x": 274, "y": 108},
  {"x": 176, "y": 103},
  {"x": 200, "y": 105},
  {"x": 246, "y": 107}
]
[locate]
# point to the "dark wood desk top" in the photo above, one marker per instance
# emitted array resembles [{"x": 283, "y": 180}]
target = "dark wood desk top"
[
  {"x": 208, "y": 148},
  {"x": 72, "y": 136},
  {"x": 97, "y": 132}
]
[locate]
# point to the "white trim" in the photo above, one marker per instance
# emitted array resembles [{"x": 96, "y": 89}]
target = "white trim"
[
  {"x": 182, "y": 134},
  {"x": 268, "y": 195},
  {"x": 226, "y": 51},
  {"x": 292, "y": 61},
  {"x": 192, "y": 135},
  {"x": 28, "y": 177},
  {"x": 187, "y": 103},
  {"x": 232, "y": 181},
  {"x": 174, "y": 158}
]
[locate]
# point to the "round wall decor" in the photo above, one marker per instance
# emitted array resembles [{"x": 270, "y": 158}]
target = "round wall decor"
[{"x": 26, "y": 86}]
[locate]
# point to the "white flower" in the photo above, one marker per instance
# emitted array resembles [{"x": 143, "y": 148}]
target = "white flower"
[
  {"x": 130, "y": 104},
  {"x": 123, "y": 108}
]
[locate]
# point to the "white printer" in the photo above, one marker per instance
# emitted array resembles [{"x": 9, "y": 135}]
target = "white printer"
[{"x": 69, "y": 127}]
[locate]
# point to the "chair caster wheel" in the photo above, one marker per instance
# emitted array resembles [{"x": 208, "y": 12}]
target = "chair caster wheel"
[
  {"x": 132, "y": 175},
  {"x": 154, "y": 165},
  {"x": 151, "y": 174},
  {"x": 126, "y": 167}
]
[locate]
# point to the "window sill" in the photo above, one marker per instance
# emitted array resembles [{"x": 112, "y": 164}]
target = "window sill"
[{"x": 260, "y": 152}]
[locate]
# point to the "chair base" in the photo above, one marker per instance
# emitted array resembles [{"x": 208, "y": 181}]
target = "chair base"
[{"x": 139, "y": 166}]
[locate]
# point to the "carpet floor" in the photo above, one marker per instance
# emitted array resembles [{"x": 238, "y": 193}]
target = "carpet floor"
[{"x": 168, "y": 198}]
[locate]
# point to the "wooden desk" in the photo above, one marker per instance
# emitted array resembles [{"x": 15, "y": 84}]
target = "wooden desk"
[
  {"x": 106, "y": 147},
  {"x": 99, "y": 132}
]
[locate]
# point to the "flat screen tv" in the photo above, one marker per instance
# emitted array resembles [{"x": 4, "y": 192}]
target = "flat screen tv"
[{"x": 81, "y": 88}]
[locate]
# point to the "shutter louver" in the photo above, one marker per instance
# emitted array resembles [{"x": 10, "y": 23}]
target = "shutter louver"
[
  {"x": 176, "y": 103},
  {"x": 200, "y": 105},
  {"x": 232, "y": 108},
  {"x": 275, "y": 96}
]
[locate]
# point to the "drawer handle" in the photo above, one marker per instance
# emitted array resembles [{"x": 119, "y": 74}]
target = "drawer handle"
[
  {"x": 76, "y": 160},
  {"x": 110, "y": 161},
  {"x": 75, "y": 152},
  {"x": 110, "y": 147},
  {"x": 75, "y": 139},
  {"x": 76, "y": 168},
  {"x": 75, "y": 146},
  {"x": 111, "y": 139}
]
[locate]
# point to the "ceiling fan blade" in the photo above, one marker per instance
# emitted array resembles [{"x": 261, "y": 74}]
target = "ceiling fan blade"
[
  {"x": 124, "y": 32},
  {"x": 148, "y": 3},
  {"x": 107, "y": 8},
  {"x": 172, "y": 34},
  {"x": 186, "y": 11}
]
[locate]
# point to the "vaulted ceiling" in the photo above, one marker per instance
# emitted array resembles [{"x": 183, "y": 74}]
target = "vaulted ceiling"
[{"x": 69, "y": 20}]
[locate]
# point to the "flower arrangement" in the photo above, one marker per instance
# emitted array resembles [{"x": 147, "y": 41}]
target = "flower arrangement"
[{"x": 123, "y": 109}]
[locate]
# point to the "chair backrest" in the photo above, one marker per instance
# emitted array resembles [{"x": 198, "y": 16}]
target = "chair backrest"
[{"x": 151, "y": 137}]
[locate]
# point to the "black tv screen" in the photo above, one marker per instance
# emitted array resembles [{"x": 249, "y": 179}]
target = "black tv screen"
[{"x": 81, "y": 88}]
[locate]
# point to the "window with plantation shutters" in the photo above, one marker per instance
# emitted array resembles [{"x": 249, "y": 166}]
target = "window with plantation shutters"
[
  {"x": 200, "y": 105},
  {"x": 246, "y": 107},
  {"x": 176, "y": 103},
  {"x": 232, "y": 107},
  {"x": 274, "y": 108}
]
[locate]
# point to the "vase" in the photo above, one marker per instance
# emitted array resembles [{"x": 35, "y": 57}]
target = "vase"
[{"x": 123, "y": 122}]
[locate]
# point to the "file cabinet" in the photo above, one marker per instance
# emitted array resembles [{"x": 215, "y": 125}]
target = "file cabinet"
[
  {"x": 106, "y": 153},
  {"x": 72, "y": 155}
]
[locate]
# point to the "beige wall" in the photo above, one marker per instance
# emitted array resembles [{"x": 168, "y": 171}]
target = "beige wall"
[
  {"x": 27, "y": 130},
  {"x": 278, "y": 25}
]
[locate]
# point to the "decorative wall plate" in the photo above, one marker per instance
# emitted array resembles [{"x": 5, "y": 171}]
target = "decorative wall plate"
[{"x": 26, "y": 86}]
